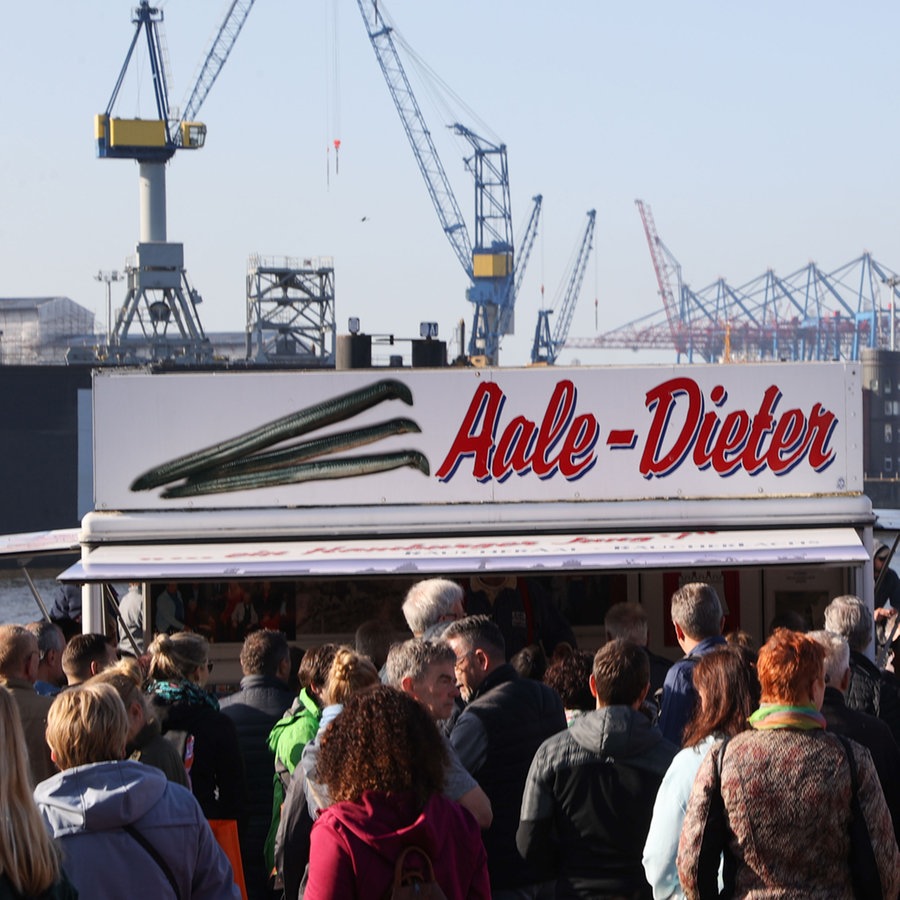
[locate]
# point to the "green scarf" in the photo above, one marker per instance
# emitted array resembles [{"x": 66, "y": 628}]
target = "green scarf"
[{"x": 770, "y": 716}]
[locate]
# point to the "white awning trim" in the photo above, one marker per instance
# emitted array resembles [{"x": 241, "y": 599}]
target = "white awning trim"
[
  {"x": 34, "y": 543},
  {"x": 428, "y": 556}
]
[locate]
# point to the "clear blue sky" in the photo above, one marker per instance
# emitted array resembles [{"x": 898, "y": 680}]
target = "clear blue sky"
[{"x": 762, "y": 135}]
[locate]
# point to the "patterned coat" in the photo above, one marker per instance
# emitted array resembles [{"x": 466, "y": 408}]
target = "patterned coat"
[{"x": 787, "y": 804}]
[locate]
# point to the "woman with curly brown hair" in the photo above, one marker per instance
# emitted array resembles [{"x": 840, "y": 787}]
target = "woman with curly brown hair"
[
  {"x": 568, "y": 674},
  {"x": 383, "y": 762}
]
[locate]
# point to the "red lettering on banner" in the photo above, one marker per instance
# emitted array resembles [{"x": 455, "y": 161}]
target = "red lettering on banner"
[
  {"x": 563, "y": 442},
  {"x": 684, "y": 424},
  {"x": 741, "y": 441}
]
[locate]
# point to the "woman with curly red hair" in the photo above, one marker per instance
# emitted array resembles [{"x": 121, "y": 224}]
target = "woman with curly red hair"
[
  {"x": 383, "y": 762},
  {"x": 777, "y": 799}
]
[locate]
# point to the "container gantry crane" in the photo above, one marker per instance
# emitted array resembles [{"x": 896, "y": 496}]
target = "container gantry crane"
[
  {"x": 160, "y": 298},
  {"x": 490, "y": 263},
  {"x": 546, "y": 346},
  {"x": 809, "y": 314}
]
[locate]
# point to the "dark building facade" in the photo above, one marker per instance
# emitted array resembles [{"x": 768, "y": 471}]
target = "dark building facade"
[
  {"x": 45, "y": 447},
  {"x": 881, "y": 426}
]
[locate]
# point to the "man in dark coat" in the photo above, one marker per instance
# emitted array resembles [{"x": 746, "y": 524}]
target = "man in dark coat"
[
  {"x": 261, "y": 701},
  {"x": 505, "y": 720},
  {"x": 870, "y": 690},
  {"x": 698, "y": 619},
  {"x": 591, "y": 789},
  {"x": 872, "y": 733}
]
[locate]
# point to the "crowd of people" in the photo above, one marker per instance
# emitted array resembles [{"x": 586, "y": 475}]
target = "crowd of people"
[{"x": 476, "y": 756}]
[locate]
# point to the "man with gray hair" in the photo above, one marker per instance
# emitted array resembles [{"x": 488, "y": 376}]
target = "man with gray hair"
[
  {"x": 872, "y": 733},
  {"x": 432, "y": 601},
  {"x": 51, "y": 644},
  {"x": 870, "y": 690},
  {"x": 425, "y": 671},
  {"x": 698, "y": 619}
]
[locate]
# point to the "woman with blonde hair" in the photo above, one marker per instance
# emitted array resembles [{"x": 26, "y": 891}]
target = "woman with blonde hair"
[
  {"x": 123, "y": 827},
  {"x": 145, "y": 741},
  {"x": 29, "y": 860},
  {"x": 190, "y": 718},
  {"x": 784, "y": 801}
]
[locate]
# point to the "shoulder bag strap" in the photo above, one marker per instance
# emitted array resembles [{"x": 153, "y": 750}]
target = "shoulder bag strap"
[
  {"x": 729, "y": 864},
  {"x": 863, "y": 863},
  {"x": 157, "y": 858}
]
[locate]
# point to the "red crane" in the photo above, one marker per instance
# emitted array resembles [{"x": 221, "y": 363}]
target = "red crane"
[{"x": 666, "y": 267}]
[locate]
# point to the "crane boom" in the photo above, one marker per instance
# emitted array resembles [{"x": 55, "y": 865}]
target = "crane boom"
[
  {"x": 451, "y": 218},
  {"x": 546, "y": 347},
  {"x": 525, "y": 248},
  {"x": 216, "y": 57},
  {"x": 490, "y": 263},
  {"x": 666, "y": 266}
]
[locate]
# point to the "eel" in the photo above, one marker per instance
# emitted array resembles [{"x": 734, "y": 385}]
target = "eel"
[
  {"x": 321, "y": 470},
  {"x": 302, "y": 422}
]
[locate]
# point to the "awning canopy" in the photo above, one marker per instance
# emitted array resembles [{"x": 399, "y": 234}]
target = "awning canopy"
[
  {"x": 431, "y": 555},
  {"x": 25, "y": 545}
]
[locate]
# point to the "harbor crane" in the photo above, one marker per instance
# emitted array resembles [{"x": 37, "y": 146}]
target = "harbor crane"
[
  {"x": 546, "y": 346},
  {"x": 807, "y": 314},
  {"x": 490, "y": 262},
  {"x": 160, "y": 300}
]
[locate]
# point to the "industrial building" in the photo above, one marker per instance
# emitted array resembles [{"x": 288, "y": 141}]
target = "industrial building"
[{"x": 36, "y": 330}]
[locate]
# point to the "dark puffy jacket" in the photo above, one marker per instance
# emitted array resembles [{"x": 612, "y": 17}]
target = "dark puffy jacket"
[
  {"x": 254, "y": 709},
  {"x": 217, "y": 770},
  {"x": 876, "y": 737},
  {"x": 496, "y": 737},
  {"x": 874, "y": 692},
  {"x": 589, "y": 800}
]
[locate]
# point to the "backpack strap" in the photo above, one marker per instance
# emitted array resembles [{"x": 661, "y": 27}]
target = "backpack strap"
[
  {"x": 157, "y": 857},
  {"x": 414, "y": 874}
]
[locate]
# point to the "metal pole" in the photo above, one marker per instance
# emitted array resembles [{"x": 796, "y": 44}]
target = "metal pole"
[
  {"x": 36, "y": 594},
  {"x": 111, "y": 604}
]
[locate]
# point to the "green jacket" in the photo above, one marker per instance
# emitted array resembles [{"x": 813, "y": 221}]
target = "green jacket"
[
  {"x": 294, "y": 730},
  {"x": 289, "y": 735}
]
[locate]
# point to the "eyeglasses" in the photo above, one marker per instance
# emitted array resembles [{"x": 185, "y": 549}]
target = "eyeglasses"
[
  {"x": 209, "y": 667},
  {"x": 461, "y": 659}
]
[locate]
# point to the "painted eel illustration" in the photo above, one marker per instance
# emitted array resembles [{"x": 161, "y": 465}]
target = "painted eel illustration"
[
  {"x": 317, "y": 416},
  {"x": 342, "y": 467},
  {"x": 305, "y": 450}
]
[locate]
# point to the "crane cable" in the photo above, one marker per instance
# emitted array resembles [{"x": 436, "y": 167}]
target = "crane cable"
[
  {"x": 596, "y": 290},
  {"x": 332, "y": 93}
]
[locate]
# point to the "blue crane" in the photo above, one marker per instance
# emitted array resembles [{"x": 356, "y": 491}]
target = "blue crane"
[
  {"x": 546, "y": 346},
  {"x": 507, "y": 323},
  {"x": 490, "y": 262},
  {"x": 159, "y": 295}
]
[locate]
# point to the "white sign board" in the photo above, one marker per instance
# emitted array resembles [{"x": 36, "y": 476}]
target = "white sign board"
[{"x": 319, "y": 439}]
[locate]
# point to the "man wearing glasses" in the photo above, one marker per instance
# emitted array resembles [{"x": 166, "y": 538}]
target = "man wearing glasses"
[{"x": 496, "y": 736}]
